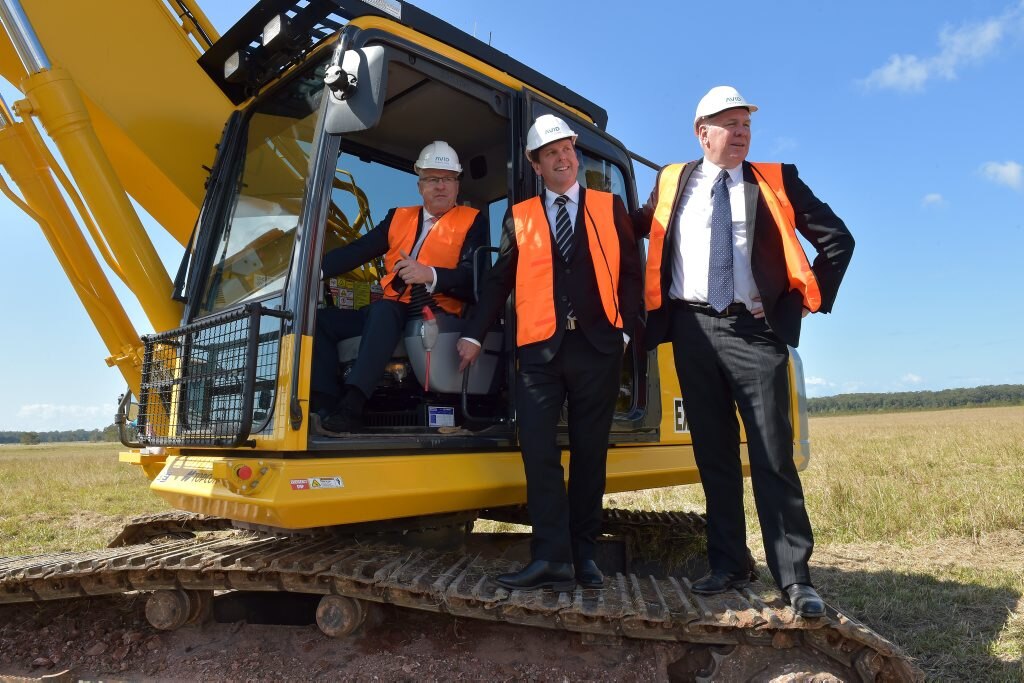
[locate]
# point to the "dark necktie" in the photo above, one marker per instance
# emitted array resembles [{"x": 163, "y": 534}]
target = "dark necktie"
[
  {"x": 720, "y": 280},
  {"x": 563, "y": 237},
  {"x": 419, "y": 296},
  {"x": 563, "y": 228}
]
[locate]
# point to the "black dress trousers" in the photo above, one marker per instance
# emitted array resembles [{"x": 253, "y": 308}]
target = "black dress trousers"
[
  {"x": 566, "y": 524},
  {"x": 731, "y": 361}
]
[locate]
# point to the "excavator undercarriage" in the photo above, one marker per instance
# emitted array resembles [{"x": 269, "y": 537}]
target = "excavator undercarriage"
[{"x": 183, "y": 561}]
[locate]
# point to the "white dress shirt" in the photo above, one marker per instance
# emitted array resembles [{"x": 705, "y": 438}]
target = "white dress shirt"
[{"x": 693, "y": 248}]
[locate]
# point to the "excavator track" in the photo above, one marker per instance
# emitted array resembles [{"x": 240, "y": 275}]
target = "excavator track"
[{"x": 728, "y": 636}]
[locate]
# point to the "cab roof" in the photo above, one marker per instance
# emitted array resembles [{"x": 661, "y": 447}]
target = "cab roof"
[{"x": 317, "y": 20}]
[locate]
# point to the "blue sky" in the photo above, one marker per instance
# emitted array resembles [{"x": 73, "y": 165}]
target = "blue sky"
[{"x": 902, "y": 116}]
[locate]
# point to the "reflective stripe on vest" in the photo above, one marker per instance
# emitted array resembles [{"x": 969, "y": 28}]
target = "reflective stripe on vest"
[
  {"x": 668, "y": 183},
  {"x": 769, "y": 180},
  {"x": 801, "y": 277},
  {"x": 441, "y": 248},
  {"x": 535, "y": 276}
]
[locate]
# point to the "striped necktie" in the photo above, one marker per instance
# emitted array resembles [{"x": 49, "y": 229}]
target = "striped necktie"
[
  {"x": 720, "y": 274},
  {"x": 563, "y": 228},
  {"x": 563, "y": 238}
]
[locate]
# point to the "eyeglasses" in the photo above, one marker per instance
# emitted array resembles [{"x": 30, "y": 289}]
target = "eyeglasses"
[{"x": 438, "y": 180}]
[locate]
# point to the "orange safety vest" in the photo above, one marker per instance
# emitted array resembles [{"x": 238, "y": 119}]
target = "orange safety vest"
[
  {"x": 769, "y": 180},
  {"x": 535, "y": 276},
  {"x": 440, "y": 249}
]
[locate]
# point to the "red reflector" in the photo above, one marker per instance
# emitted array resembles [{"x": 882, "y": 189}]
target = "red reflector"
[{"x": 244, "y": 472}]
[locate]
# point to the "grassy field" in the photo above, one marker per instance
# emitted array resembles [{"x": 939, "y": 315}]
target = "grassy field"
[
  {"x": 919, "y": 532},
  {"x": 918, "y": 518},
  {"x": 73, "y": 496}
]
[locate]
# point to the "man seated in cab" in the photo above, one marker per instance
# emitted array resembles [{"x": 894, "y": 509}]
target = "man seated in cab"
[{"x": 428, "y": 252}]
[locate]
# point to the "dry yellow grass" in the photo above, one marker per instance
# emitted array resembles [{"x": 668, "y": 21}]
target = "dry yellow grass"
[
  {"x": 919, "y": 529},
  {"x": 918, "y": 517}
]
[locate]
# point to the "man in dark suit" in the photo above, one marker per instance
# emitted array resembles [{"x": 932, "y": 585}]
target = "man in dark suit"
[
  {"x": 571, "y": 255},
  {"x": 728, "y": 284},
  {"x": 428, "y": 253}
]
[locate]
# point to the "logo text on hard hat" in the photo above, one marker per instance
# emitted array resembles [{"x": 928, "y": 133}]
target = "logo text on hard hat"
[
  {"x": 556, "y": 129},
  {"x": 733, "y": 99}
]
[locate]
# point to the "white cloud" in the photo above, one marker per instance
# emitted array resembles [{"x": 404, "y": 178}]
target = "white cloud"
[
  {"x": 45, "y": 417},
  {"x": 1008, "y": 173},
  {"x": 901, "y": 72},
  {"x": 959, "y": 47},
  {"x": 911, "y": 378},
  {"x": 819, "y": 386},
  {"x": 933, "y": 199}
]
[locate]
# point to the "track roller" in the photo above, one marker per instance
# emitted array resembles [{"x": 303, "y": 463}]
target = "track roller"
[
  {"x": 339, "y": 616},
  {"x": 168, "y": 610}
]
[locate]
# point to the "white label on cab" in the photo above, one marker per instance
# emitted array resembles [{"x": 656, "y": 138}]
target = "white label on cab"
[{"x": 440, "y": 416}]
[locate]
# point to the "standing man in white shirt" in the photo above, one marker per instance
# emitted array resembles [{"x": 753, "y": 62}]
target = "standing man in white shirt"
[{"x": 728, "y": 283}]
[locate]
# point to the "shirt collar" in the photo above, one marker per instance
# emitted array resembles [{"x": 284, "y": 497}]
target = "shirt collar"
[
  {"x": 573, "y": 193},
  {"x": 427, "y": 215},
  {"x": 711, "y": 170}
]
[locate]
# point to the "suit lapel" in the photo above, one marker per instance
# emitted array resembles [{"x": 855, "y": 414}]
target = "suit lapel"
[{"x": 751, "y": 192}]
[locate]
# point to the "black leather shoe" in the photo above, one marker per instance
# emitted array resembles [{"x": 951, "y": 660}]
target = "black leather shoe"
[
  {"x": 588, "y": 575},
  {"x": 805, "y": 601},
  {"x": 343, "y": 420},
  {"x": 718, "y": 582},
  {"x": 557, "y": 576}
]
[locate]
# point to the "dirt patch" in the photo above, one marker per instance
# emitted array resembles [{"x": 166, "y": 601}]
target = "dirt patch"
[
  {"x": 994, "y": 551},
  {"x": 109, "y": 637}
]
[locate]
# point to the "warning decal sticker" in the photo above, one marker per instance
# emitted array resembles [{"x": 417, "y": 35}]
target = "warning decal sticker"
[{"x": 326, "y": 483}]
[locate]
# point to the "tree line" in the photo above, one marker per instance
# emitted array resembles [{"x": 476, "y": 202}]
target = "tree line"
[
  {"x": 32, "y": 438},
  {"x": 989, "y": 395}
]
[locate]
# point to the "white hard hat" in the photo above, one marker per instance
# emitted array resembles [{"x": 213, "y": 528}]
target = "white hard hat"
[
  {"x": 720, "y": 98},
  {"x": 439, "y": 155},
  {"x": 547, "y": 128}
]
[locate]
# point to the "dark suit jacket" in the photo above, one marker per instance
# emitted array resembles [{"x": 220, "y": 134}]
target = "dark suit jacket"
[
  {"x": 574, "y": 281},
  {"x": 456, "y": 282},
  {"x": 783, "y": 308}
]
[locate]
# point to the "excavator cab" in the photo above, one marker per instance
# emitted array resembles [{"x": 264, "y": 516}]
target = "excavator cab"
[{"x": 310, "y": 164}]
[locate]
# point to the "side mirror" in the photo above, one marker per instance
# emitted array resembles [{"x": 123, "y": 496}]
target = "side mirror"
[{"x": 355, "y": 90}]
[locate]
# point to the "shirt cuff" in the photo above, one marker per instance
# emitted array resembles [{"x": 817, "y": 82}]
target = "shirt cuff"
[
  {"x": 472, "y": 341},
  {"x": 433, "y": 283}
]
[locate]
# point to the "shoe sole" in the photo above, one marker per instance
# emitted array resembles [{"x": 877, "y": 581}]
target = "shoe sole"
[{"x": 810, "y": 615}]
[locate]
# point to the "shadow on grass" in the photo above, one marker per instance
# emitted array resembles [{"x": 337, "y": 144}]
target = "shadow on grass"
[{"x": 956, "y": 630}]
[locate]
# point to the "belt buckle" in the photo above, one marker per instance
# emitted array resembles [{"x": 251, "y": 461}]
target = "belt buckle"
[{"x": 570, "y": 323}]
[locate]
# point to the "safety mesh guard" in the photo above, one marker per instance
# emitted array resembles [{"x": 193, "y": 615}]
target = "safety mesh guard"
[{"x": 207, "y": 383}]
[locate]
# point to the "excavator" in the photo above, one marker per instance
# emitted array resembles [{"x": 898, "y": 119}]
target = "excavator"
[{"x": 257, "y": 151}]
